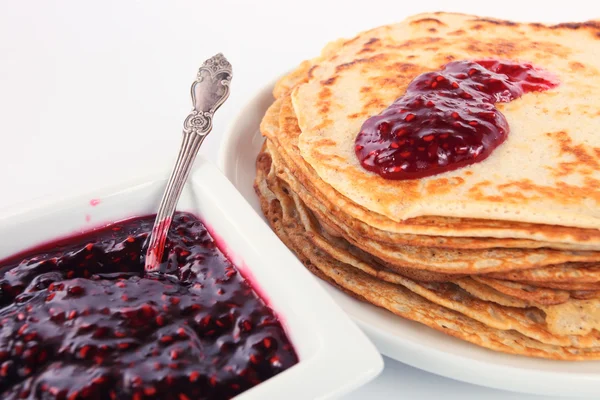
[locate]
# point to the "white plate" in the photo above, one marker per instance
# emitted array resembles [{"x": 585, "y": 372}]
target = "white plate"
[
  {"x": 405, "y": 340},
  {"x": 335, "y": 356}
]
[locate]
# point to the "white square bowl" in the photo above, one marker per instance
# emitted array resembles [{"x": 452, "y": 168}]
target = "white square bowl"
[{"x": 335, "y": 356}]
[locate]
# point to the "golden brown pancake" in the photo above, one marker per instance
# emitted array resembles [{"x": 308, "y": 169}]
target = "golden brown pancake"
[
  {"x": 567, "y": 273},
  {"x": 545, "y": 173},
  {"x": 487, "y": 293},
  {"x": 532, "y": 294},
  {"x": 441, "y": 260},
  {"x": 281, "y": 126}
]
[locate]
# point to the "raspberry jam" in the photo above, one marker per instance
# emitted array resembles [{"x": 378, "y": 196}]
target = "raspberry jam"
[
  {"x": 79, "y": 319},
  {"x": 446, "y": 119}
]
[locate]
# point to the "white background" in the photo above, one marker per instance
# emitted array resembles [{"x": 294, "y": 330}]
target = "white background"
[{"x": 93, "y": 92}]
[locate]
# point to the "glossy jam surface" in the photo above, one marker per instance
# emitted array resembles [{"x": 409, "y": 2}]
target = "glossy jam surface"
[
  {"x": 80, "y": 320},
  {"x": 446, "y": 119}
]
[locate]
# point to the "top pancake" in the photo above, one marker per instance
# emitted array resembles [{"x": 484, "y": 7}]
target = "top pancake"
[
  {"x": 281, "y": 127},
  {"x": 547, "y": 171}
]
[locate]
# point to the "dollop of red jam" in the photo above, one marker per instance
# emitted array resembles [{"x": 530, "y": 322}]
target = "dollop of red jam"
[
  {"x": 79, "y": 319},
  {"x": 446, "y": 119}
]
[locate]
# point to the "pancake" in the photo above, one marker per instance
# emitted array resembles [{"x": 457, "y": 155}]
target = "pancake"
[
  {"x": 566, "y": 273},
  {"x": 445, "y": 260},
  {"x": 565, "y": 285},
  {"x": 487, "y": 293},
  {"x": 501, "y": 323},
  {"x": 531, "y": 294},
  {"x": 281, "y": 127},
  {"x": 553, "y": 130}
]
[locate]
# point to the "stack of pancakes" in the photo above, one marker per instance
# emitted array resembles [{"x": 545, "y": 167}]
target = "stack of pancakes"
[{"x": 504, "y": 253}]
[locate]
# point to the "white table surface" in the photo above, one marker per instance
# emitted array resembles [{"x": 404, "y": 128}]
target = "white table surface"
[{"x": 93, "y": 92}]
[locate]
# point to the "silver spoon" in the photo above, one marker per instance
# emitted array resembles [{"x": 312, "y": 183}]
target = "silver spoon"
[{"x": 209, "y": 92}]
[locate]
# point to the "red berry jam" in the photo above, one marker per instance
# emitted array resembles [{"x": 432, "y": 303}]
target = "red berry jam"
[
  {"x": 446, "y": 119},
  {"x": 79, "y": 319}
]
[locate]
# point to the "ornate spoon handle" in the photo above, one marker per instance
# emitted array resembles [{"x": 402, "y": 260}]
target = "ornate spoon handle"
[{"x": 209, "y": 92}]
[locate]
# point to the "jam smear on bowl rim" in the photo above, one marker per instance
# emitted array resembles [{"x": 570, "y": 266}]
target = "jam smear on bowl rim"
[
  {"x": 79, "y": 319},
  {"x": 446, "y": 119}
]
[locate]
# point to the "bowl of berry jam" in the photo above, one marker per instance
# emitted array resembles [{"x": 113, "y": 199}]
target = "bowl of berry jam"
[{"x": 233, "y": 315}]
